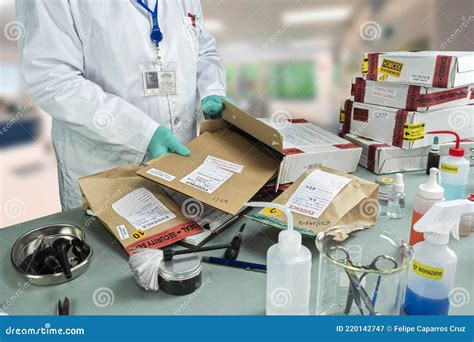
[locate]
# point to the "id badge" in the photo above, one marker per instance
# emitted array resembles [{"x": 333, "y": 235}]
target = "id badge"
[{"x": 158, "y": 80}]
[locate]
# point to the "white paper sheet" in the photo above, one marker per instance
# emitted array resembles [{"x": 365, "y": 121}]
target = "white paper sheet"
[
  {"x": 142, "y": 209},
  {"x": 224, "y": 164},
  {"x": 207, "y": 178},
  {"x": 161, "y": 174},
  {"x": 315, "y": 193}
]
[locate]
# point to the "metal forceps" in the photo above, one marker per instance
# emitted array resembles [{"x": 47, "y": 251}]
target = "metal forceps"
[{"x": 357, "y": 292}]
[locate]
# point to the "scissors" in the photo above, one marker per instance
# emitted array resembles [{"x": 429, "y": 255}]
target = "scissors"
[{"x": 357, "y": 292}]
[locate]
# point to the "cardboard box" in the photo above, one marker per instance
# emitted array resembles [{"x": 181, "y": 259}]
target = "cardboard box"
[
  {"x": 439, "y": 69},
  {"x": 410, "y": 97},
  {"x": 381, "y": 158},
  {"x": 252, "y": 152},
  {"x": 402, "y": 128},
  {"x": 354, "y": 205},
  {"x": 137, "y": 212},
  {"x": 306, "y": 145}
]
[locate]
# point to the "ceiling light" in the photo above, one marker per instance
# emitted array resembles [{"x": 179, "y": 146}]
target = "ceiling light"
[{"x": 316, "y": 15}]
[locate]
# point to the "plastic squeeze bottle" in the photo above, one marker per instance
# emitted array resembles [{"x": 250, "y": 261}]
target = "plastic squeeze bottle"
[
  {"x": 428, "y": 194},
  {"x": 397, "y": 199},
  {"x": 454, "y": 170},
  {"x": 288, "y": 270},
  {"x": 431, "y": 277}
]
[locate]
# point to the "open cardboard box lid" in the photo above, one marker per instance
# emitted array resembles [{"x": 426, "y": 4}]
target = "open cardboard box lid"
[{"x": 237, "y": 138}]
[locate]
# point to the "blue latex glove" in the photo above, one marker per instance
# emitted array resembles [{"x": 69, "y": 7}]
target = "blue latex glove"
[
  {"x": 163, "y": 142},
  {"x": 212, "y": 105}
]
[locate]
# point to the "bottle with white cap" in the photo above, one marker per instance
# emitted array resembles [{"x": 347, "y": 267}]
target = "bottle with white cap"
[
  {"x": 288, "y": 270},
  {"x": 431, "y": 277},
  {"x": 397, "y": 199},
  {"x": 428, "y": 194}
]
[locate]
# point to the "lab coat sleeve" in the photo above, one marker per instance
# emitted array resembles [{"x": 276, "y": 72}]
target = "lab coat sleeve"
[
  {"x": 211, "y": 78},
  {"x": 52, "y": 66}
]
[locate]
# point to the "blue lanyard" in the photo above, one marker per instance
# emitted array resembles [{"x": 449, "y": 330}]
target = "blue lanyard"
[{"x": 156, "y": 35}]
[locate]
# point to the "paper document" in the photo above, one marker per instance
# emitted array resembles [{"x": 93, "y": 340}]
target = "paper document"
[
  {"x": 161, "y": 174},
  {"x": 315, "y": 193},
  {"x": 224, "y": 164},
  {"x": 142, "y": 209},
  {"x": 207, "y": 177},
  {"x": 300, "y": 135}
]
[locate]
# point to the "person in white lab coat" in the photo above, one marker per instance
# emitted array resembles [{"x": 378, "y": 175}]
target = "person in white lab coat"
[{"x": 117, "y": 83}]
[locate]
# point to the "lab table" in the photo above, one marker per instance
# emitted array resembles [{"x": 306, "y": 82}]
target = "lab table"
[{"x": 108, "y": 286}]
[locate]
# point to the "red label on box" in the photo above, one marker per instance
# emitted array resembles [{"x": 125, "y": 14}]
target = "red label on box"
[
  {"x": 398, "y": 129},
  {"x": 372, "y": 154},
  {"x": 373, "y": 66},
  {"x": 441, "y": 72},
  {"x": 167, "y": 237},
  {"x": 346, "y": 127},
  {"x": 291, "y": 151},
  {"x": 361, "y": 114},
  {"x": 297, "y": 121},
  {"x": 346, "y": 146}
]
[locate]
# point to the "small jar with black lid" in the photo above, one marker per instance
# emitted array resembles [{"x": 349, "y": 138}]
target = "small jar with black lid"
[{"x": 181, "y": 275}]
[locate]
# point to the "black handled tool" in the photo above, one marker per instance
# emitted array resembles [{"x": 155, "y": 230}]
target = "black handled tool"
[
  {"x": 168, "y": 254},
  {"x": 80, "y": 249},
  {"x": 62, "y": 246},
  {"x": 233, "y": 251}
]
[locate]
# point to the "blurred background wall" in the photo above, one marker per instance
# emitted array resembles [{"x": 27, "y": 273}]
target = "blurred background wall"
[{"x": 293, "y": 56}]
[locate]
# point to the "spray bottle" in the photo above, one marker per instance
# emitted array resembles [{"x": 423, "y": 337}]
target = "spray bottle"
[
  {"x": 428, "y": 194},
  {"x": 454, "y": 170},
  {"x": 288, "y": 270},
  {"x": 431, "y": 277}
]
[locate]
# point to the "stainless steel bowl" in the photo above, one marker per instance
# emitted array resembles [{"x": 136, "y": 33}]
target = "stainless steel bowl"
[{"x": 26, "y": 244}]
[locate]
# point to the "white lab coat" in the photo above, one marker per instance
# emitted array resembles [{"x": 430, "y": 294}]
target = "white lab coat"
[{"x": 80, "y": 60}]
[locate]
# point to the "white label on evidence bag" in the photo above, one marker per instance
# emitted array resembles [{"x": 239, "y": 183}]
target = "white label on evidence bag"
[
  {"x": 207, "y": 177},
  {"x": 315, "y": 193},
  {"x": 420, "y": 78},
  {"x": 122, "y": 232},
  {"x": 385, "y": 93},
  {"x": 161, "y": 174},
  {"x": 224, "y": 164},
  {"x": 142, "y": 209}
]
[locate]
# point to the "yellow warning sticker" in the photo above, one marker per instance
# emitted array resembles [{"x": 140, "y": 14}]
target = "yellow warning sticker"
[
  {"x": 433, "y": 273},
  {"x": 272, "y": 211},
  {"x": 365, "y": 66},
  {"x": 414, "y": 132},
  {"x": 449, "y": 168},
  {"x": 382, "y": 76},
  {"x": 139, "y": 234},
  {"x": 342, "y": 116},
  {"x": 387, "y": 180},
  {"x": 392, "y": 68}
]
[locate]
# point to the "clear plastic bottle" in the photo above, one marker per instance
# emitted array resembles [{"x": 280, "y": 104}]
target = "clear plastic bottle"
[
  {"x": 432, "y": 275},
  {"x": 454, "y": 170},
  {"x": 288, "y": 270},
  {"x": 397, "y": 199},
  {"x": 428, "y": 194}
]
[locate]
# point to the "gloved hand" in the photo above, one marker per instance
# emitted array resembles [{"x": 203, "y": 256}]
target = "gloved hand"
[
  {"x": 164, "y": 141},
  {"x": 212, "y": 105}
]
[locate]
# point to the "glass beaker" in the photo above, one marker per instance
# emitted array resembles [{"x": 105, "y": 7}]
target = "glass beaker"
[{"x": 365, "y": 274}]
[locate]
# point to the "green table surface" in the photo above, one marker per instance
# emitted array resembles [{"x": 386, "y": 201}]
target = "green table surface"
[{"x": 108, "y": 287}]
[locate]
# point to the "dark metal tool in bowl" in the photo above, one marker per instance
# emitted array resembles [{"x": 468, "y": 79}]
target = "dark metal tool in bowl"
[{"x": 52, "y": 254}]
